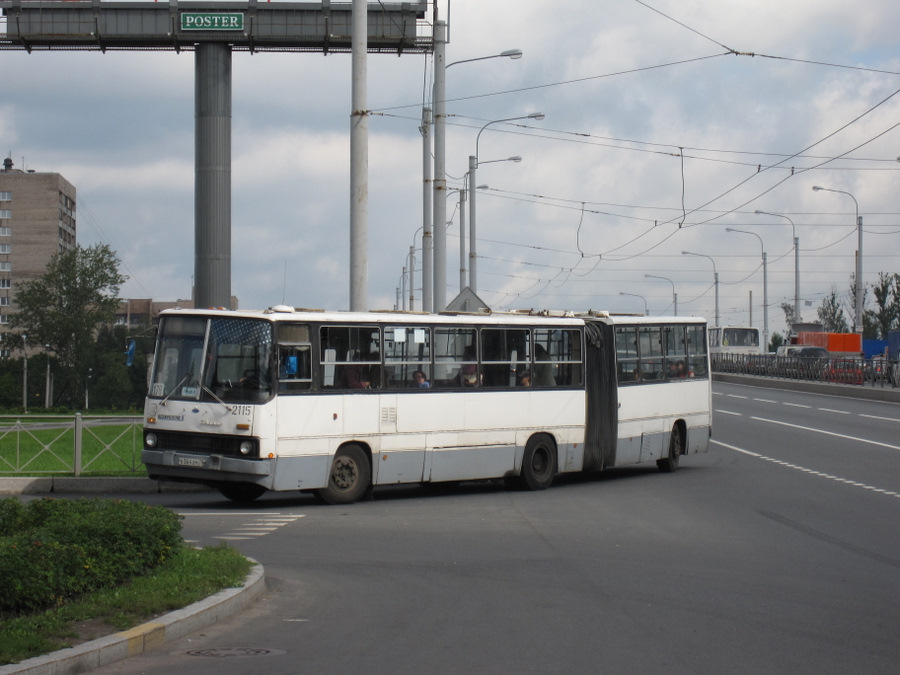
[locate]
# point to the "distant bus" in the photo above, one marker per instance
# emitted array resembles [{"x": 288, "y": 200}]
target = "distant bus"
[
  {"x": 337, "y": 403},
  {"x": 734, "y": 340}
]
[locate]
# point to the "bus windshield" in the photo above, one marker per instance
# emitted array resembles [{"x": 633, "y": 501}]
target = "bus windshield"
[
  {"x": 740, "y": 337},
  {"x": 218, "y": 359}
]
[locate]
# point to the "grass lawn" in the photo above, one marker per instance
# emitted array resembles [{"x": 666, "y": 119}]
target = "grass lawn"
[{"x": 46, "y": 446}]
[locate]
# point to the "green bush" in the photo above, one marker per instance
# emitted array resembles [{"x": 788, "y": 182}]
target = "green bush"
[{"x": 54, "y": 549}]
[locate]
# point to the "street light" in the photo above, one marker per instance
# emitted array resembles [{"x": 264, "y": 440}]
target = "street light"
[
  {"x": 674, "y": 294},
  {"x": 48, "y": 398},
  {"x": 462, "y": 218},
  {"x": 765, "y": 284},
  {"x": 462, "y": 230},
  {"x": 858, "y": 319},
  {"x": 715, "y": 278},
  {"x": 438, "y": 299},
  {"x": 646, "y": 311},
  {"x": 25, "y": 373},
  {"x": 797, "y": 318},
  {"x": 473, "y": 165}
]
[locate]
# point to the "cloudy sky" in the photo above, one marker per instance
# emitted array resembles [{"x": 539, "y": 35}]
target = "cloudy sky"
[{"x": 667, "y": 122}]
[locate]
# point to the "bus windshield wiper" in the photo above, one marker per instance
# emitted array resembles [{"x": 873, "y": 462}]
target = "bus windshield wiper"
[
  {"x": 211, "y": 393},
  {"x": 172, "y": 390}
]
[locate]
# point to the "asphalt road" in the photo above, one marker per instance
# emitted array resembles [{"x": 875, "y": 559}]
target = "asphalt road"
[{"x": 777, "y": 552}]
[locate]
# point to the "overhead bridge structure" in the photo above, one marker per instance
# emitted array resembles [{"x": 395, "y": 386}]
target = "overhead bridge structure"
[{"x": 212, "y": 30}]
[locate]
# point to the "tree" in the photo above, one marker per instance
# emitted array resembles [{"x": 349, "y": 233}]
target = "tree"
[
  {"x": 789, "y": 318},
  {"x": 887, "y": 305},
  {"x": 776, "y": 341},
  {"x": 831, "y": 316},
  {"x": 65, "y": 306}
]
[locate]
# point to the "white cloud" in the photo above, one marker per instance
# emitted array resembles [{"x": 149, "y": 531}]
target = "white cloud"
[{"x": 124, "y": 136}]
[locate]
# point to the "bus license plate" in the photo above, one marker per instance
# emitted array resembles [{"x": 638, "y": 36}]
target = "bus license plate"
[{"x": 191, "y": 461}]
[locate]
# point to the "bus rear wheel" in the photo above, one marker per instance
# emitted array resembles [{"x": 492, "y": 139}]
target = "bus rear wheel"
[
  {"x": 539, "y": 462},
  {"x": 241, "y": 492},
  {"x": 676, "y": 449},
  {"x": 349, "y": 476}
]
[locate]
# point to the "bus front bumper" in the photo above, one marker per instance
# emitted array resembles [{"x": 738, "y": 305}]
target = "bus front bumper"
[{"x": 205, "y": 468}]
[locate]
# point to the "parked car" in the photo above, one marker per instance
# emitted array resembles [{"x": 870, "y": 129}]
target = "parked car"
[
  {"x": 805, "y": 363},
  {"x": 845, "y": 371},
  {"x": 878, "y": 369}
]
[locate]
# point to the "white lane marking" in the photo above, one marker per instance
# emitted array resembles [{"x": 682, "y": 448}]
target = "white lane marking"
[
  {"x": 878, "y": 417},
  {"x": 828, "y": 433},
  {"x": 736, "y": 396},
  {"x": 811, "y": 472},
  {"x": 797, "y": 405},
  {"x": 263, "y": 524},
  {"x": 764, "y": 400},
  {"x": 836, "y": 412},
  {"x": 729, "y": 412}
]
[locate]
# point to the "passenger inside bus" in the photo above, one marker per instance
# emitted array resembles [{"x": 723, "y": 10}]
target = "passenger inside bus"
[
  {"x": 468, "y": 372},
  {"x": 420, "y": 379},
  {"x": 352, "y": 377}
]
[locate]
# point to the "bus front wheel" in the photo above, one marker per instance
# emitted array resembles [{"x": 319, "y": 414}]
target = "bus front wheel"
[
  {"x": 539, "y": 462},
  {"x": 241, "y": 492},
  {"x": 676, "y": 449},
  {"x": 349, "y": 476}
]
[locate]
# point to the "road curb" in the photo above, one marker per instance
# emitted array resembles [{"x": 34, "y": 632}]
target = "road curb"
[
  {"x": 102, "y": 651},
  {"x": 92, "y": 485}
]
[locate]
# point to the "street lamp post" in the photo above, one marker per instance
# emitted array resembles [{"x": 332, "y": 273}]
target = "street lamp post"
[
  {"x": 473, "y": 166},
  {"x": 858, "y": 314},
  {"x": 674, "y": 294},
  {"x": 797, "y": 318},
  {"x": 765, "y": 284},
  {"x": 472, "y": 243},
  {"x": 715, "y": 278},
  {"x": 48, "y": 398},
  {"x": 438, "y": 300},
  {"x": 25, "y": 373},
  {"x": 646, "y": 311}
]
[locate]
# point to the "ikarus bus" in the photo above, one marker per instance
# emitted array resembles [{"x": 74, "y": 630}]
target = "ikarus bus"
[{"x": 340, "y": 402}]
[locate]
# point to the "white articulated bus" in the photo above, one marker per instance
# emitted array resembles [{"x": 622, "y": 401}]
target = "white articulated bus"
[{"x": 339, "y": 402}]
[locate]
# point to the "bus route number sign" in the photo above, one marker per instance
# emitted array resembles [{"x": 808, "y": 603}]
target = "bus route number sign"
[{"x": 212, "y": 21}]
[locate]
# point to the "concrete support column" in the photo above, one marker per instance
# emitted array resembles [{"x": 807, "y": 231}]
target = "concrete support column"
[{"x": 212, "y": 190}]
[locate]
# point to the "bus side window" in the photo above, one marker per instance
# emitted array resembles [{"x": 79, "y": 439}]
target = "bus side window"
[
  {"x": 294, "y": 358},
  {"x": 505, "y": 355},
  {"x": 696, "y": 349},
  {"x": 627, "y": 354},
  {"x": 455, "y": 358}
]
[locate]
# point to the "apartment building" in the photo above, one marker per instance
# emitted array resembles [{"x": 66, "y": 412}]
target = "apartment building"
[{"x": 37, "y": 219}]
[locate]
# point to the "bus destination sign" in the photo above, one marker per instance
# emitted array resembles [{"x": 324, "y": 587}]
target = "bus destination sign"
[{"x": 212, "y": 21}]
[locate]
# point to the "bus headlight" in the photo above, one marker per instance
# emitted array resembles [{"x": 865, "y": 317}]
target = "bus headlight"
[
  {"x": 150, "y": 440},
  {"x": 246, "y": 447}
]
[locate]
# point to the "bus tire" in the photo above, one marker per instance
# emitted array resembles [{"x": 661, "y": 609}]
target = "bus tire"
[
  {"x": 676, "y": 449},
  {"x": 349, "y": 477},
  {"x": 539, "y": 462},
  {"x": 241, "y": 492}
]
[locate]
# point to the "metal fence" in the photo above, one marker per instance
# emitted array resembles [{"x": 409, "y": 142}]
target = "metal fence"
[
  {"x": 874, "y": 372},
  {"x": 70, "y": 445}
]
